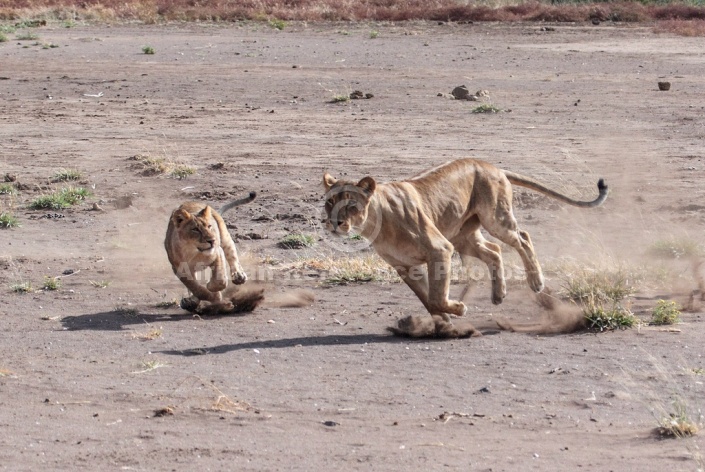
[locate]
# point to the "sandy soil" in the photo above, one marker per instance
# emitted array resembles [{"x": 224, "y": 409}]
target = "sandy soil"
[{"x": 326, "y": 386}]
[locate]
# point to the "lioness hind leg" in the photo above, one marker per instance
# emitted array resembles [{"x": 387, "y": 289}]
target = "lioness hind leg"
[
  {"x": 503, "y": 226},
  {"x": 474, "y": 245}
]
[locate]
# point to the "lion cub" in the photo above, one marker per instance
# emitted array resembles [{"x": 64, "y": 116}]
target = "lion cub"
[
  {"x": 416, "y": 224},
  {"x": 196, "y": 239}
]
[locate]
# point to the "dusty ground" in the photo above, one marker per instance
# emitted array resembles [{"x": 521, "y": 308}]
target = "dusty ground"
[{"x": 326, "y": 385}]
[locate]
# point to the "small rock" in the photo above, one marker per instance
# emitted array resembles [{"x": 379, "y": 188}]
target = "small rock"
[
  {"x": 330, "y": 423},
  {"x": 664, "y": 86}
]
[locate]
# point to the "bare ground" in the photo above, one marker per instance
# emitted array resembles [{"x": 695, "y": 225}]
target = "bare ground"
[{"x": 83, "y": 388}]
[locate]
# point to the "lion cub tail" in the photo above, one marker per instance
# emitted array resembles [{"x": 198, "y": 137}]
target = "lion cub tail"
[
  {"x": 238, "y": 202},
  {"x": 528, "y": 182}
]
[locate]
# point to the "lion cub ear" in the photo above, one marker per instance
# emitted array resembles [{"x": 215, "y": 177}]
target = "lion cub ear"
[
  {"x": 328, "y": 180},
  {"x": 180, "y": 216},
  {"x": 368, "y": 185}
]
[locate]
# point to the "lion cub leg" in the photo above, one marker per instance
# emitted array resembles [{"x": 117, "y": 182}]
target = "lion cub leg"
[
  {"x": 237, "y": 274},
  {"x": 219, "y": 277},
  {"x": 187, "y": 276}
]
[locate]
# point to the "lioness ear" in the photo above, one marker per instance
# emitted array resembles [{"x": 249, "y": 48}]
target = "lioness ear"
[
  {"x": 328, "y": 180},
  {"x": 205, "y": 213},
  {"x": 368, "y": 184},
  {"x": 179, "y": 216}
]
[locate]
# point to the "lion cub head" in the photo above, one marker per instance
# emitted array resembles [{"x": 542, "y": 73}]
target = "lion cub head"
[
  {"x": 196, "y": 228},
  {"x": 346, "y": 203}
]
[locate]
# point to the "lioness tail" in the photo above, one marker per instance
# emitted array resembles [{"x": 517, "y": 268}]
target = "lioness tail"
[
  {"x": 528, "y": 182},
  {"x": 234, "y": 203}
]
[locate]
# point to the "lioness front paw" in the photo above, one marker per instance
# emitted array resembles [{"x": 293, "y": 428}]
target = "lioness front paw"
[{"x": 239, "y": 278}]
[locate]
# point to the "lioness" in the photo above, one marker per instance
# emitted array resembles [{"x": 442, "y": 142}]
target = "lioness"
[
  {"x": 420, "y": 221},
  {"x": 196, "y": 239}
]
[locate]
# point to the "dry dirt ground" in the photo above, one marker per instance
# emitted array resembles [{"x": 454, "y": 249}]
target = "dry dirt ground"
[{"x": 82, "y": 385}]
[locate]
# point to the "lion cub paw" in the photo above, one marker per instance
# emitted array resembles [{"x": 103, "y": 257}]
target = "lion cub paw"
[{"x": 239, "y": 278}]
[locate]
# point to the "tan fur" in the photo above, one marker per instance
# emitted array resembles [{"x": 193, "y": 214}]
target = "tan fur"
[
  {"x": 416, "y": 224},
  {"x": 196, "y": 239}
]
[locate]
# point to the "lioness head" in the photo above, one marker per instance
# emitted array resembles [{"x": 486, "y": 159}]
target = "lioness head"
[
  {"x": 196, "y": 228},
  {"x": 346, "y": 203}
]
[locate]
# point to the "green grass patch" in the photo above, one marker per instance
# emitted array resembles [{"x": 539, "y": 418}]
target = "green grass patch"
[
  {"x": 60, "y": 199},
  {"x": 602, "y": 317},
  {"x": 486, "y": 108},
  {"x": 26, "y": 36},
  {"x": 126, "y": 310},
  {"x": 3, "y": 37},
  {"x": 345, "y": 277},
  {"x": 167, "y": 304},
  {"x": 181, "y": 171},
  {"x": 66, "y": 175},
  {"x": 7, "y": 189},
  {"x": 100, "y": 283},
  {"x": 340, "y": 99},
  {"x": 674, "y": 248},
  {"x": 296, "y": 241},
  {"x": 8, "y": 220},
  {"x": 666, "y": 312},
  {"x": 21, "y": 287},
  {"x": 277, "y": 24},
  {"x": 147, "y": 50},
  {"x": 51, "y": 283}
]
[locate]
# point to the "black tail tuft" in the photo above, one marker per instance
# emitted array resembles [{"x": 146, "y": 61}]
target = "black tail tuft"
[
  {"x": 601, "y": 185},
  {"x": 253, "y": 194}
]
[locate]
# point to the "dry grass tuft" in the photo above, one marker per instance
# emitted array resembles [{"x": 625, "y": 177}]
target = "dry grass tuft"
[
  {"x": 677, "y": 424},
  {"x": 344, "y": 270},
  {"x": 149, "y": 166},
  {"x": 150, "y": 335},
  {"x": 6, "y": 373},
  {"x": 276, "y": 13},
  {"x": 691, "y": 28}
]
